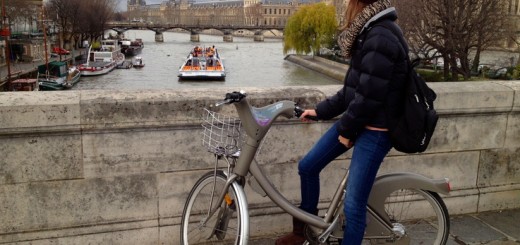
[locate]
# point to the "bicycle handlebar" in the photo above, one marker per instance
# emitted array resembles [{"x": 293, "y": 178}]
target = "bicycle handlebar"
[{"x": 238, "y": 96}]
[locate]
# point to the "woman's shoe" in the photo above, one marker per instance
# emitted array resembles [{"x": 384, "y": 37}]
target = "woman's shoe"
[{"x": 296, "y": 237}]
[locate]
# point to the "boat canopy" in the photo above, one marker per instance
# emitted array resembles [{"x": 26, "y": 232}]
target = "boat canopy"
[{"x": 56, "y": 68}]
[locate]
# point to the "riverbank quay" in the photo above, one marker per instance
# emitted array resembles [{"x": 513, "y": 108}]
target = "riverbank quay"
[
  {"x": 27, "y": 69},
  {"x": 115, "y": 167},
  {"x": 334, "y": 70}
]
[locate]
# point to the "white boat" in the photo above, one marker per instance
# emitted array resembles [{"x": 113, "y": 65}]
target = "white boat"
[
  {"x": 104, "y": 60},
  {"x": 203, "y": 64},
  {"x": 138, "y": 62}
]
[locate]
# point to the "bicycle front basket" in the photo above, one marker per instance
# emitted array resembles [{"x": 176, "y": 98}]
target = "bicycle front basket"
[{"x": 222, "y": 134}]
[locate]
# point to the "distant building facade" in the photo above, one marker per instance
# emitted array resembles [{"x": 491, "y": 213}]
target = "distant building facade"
[
  {"x": 26, "y": 41},
  {"x": 224, "y": 13}
]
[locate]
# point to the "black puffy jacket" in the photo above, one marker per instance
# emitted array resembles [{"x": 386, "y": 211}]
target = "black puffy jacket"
[{"x": 373, "y": 88}]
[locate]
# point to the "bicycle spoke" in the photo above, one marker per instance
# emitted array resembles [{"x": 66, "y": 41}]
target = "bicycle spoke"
[
  {"x": 223, "y": 226},
  {"x": 417, "y": 216}
]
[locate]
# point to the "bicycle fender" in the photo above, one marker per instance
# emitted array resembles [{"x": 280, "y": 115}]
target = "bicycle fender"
[{"x": 388, "y": 183}]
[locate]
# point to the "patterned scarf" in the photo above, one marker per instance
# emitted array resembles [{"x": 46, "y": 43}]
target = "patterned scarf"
[{"x": 348, "y": 35}]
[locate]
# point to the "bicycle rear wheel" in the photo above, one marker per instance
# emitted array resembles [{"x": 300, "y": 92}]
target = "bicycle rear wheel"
[
  {"x": 228, "y": 225},
  {"x": 417, "y": 217}
]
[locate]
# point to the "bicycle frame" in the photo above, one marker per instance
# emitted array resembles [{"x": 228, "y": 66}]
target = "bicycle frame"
[{"x": 257, "y": 121}]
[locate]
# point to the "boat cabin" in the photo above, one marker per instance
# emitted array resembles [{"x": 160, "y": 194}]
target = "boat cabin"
[{"x": 55, "y": 69}]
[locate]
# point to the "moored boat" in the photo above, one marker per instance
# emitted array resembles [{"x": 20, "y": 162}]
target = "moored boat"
[
  {"x": 138, "y": 62},
  {"x": 23, "y": 84},
  {"x": 203, "y": 64},
  {"x": 127, "y": 64},
  {"x": 132, "y": 48},
  {"x": 104, "y": 60},
  {"x": 57, "y": 75}
]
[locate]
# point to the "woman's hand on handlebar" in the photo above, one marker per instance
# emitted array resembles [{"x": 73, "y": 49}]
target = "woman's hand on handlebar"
[{"x": 309, "y": 115}]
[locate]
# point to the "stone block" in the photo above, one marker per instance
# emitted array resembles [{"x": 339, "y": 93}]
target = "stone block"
[
  {"x": 40, "y": 157},
  {"x": 173, "y": 191},
  {"x": 169, "y": 235},
  {"x": 461, "y": 202},
  {"x": 491, "y": 200},
  {"x": 110, "y": 109},
  {"x": 499, "y": 167},
  {"x": 474, "y": 97},
  {"x": 287, "y": 143},
  {"x": 73, "y": 203},
  {"x": 463, "y": 132},
  {"x": 515, "y": 86},
  {"x": 513, "y": 130},
  {"x": 36, "y": 112},
  {"x": 126, "y": 152},
  {"x": 141, "y": 236}
]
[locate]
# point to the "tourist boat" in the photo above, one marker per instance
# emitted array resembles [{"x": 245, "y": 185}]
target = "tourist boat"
[
  {"x": 138, "y": 62},
  {"x": 203, "y": 64},
  {"x": 131, "y": 48},
  {"x": 57, "y": 76},
  {"x": 104, "y": 60}
]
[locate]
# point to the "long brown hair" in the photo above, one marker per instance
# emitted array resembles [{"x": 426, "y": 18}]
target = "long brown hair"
[{"x": 354, "y": 7}]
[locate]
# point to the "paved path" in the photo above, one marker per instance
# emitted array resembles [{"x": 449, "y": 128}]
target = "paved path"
[{"x": 493, "y": 228}]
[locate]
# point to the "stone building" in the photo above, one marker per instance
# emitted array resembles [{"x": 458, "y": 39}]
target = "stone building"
[
  {"x": 224, "y": 13},
  {"x": 26, "y": 36},
  {"x": 133, "y": 5},
  {"x": 514, "y": 11}
]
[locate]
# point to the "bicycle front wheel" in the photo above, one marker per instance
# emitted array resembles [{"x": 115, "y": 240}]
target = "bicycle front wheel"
[
  {"x": 417, "y": 217},
  {"x": 227, "y": 225}
]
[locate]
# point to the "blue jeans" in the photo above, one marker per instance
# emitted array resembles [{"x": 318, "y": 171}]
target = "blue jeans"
[{"x": 369, "y": 150}]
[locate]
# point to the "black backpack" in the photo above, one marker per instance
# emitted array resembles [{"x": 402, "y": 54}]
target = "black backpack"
[{"x": 412, "y": 131}]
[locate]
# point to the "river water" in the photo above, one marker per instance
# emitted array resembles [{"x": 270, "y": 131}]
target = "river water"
[{"x": 248, "y": 63}]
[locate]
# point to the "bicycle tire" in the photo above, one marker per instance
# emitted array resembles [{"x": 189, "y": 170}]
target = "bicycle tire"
[
  {"x": 418, "y": 216},
  {"x": 228, "y": 225}
]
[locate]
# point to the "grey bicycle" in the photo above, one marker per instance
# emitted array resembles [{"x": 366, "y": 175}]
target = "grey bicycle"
[{"x": 403, "y": 208}]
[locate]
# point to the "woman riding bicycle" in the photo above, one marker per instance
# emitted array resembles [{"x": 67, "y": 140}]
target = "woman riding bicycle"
[{"x": 370, "y": 100}]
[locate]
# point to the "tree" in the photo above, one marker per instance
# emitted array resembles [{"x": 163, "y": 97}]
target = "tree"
[
  {"x": 79, "y": 18},
  {"x": 23, "y": 12},
  {"x": 67, "y": 15},
  {"x": 310, "y": 28},
  {"x": 453, "y": 28}
]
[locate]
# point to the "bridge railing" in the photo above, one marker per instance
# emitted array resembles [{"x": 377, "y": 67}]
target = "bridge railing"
[
  {"x": 166, "y": 26},
  {"x": 102, "y": 167}
]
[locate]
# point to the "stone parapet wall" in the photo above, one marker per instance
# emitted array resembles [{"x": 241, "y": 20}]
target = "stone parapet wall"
[{"x": 105, "y": 167}]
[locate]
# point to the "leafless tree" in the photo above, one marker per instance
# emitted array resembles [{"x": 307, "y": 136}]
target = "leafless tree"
[
  {"x": 82, "y": 19},
  {"x": 22, "y": 11},
  {"x": 67, "y": 16},
  {"x": 453, "y": 28}
]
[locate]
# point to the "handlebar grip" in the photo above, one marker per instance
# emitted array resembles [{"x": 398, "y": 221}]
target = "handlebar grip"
[
  {"x": 299, "y": 111},
  {"x": 232, "y": 97},
  {"x": 235, "y": 96}
]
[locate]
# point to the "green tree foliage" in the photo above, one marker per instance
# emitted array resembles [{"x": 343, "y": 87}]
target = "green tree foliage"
[{"x": 310, "y": 28}]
